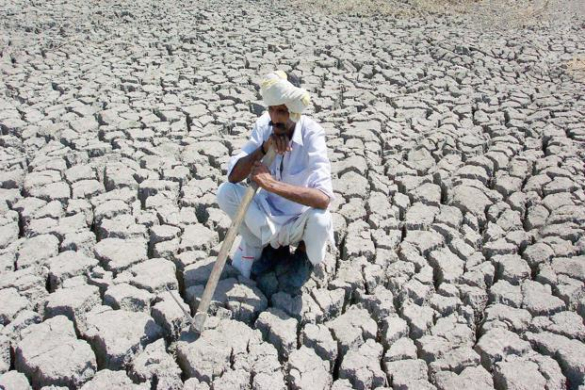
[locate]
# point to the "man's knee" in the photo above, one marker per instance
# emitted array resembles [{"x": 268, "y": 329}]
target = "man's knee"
[
  {"x": 319, "y": 219},
  {"x": 225, "y": 195},
  {"x": 316, "y": 234}
]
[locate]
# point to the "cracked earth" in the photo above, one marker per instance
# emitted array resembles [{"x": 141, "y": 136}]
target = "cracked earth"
[{"x": 458, "y": 163}]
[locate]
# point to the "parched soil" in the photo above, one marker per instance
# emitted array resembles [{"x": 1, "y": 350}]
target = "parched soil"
[{"x": 457, "y": 151}]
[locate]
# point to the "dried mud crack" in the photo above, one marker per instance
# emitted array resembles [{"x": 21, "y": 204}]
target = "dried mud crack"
[{"x": 458, "y": 157}]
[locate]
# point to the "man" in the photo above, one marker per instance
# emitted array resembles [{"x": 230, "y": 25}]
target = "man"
[{"x": 294, "y": 192}]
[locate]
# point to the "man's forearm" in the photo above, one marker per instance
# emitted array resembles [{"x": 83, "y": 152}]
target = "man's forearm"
[
  {"x": 244, "y": 165},
  {"x": 306, "y": 196}
]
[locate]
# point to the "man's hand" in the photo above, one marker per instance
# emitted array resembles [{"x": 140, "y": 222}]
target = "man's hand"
[
  {"x": 280, "y": 142},
  {"x": 261, "y": 175},
  {"x": 306, "y": 196}
]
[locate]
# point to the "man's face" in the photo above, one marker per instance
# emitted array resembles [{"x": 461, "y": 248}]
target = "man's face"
[{"x": 280, "y": 118}]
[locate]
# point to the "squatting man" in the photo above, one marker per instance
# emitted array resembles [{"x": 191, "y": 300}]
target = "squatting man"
[{"x": 290, "y": 207}]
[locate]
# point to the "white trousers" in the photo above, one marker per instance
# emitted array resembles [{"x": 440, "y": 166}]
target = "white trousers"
[{"x": 313, "y": 227}]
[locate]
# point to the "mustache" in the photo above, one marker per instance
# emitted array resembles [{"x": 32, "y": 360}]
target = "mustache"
[{"x": 279, "y": 126}]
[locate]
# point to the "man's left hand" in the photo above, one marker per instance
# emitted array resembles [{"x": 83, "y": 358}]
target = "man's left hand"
[{"x": 261, "y": 175}]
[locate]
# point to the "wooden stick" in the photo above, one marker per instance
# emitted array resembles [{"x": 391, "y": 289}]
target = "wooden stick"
[{"x": 201, "y": 315}]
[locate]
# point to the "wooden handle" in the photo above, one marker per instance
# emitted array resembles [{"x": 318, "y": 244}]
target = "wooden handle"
[{"x": 201, "y": 315}]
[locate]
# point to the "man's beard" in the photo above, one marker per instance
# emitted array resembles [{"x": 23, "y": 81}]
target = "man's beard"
[{"x": 279, "y": 126}]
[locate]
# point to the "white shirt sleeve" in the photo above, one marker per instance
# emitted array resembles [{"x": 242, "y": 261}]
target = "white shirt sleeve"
[
  {"x": 319, "y": 165},
  {"x": 256, "y": 139}
]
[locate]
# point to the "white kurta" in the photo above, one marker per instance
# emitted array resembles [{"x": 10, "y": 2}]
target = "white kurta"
[
  {"x": 273, "y": 219},
  {"x": 306, "y": 165}
]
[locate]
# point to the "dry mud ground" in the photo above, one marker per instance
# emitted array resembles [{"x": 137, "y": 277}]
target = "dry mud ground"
[{"x": 458, "y": 158}]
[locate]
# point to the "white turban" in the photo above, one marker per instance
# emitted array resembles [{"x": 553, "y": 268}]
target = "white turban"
[{"x": 277, "y": 90}]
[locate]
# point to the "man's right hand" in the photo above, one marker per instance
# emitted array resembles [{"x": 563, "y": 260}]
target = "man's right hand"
[
  {"x": 244, "y": 165},
  {"x": 281, "y": 143}
]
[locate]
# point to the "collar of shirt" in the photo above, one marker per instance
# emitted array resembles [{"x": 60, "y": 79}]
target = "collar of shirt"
[{"x": 298, "y": 133}]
